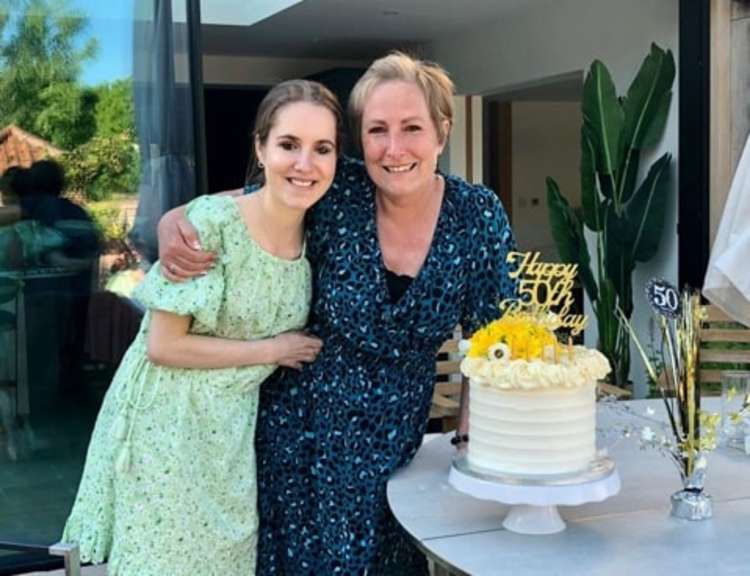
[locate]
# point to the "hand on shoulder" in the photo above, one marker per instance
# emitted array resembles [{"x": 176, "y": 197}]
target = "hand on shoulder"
[{"x": 181, "y": 255}]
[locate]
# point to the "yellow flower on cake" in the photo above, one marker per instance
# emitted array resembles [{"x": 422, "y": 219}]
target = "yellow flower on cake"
[{"x": 522, "y": 333}]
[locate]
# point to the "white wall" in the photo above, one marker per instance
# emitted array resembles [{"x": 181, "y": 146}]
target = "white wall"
[
  {"x": 263, "y": 71},
  {"x": 545, "y": 142},
  {"x": 453, "y": 158},
  {"x": 562, "y": 37},
  {"x": 467, "y": 119}
]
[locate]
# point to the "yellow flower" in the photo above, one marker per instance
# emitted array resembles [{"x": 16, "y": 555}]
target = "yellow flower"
[{"x": 523, "y": 332}]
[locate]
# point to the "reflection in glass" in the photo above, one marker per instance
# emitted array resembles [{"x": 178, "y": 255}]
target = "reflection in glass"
[
  {"x": 70, "y": 165},
  {"x": 735, "y": 409}
]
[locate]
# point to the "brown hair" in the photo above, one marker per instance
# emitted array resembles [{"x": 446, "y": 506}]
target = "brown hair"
[
  {"x": 430, "y": 78},
  {"x": 281, "y": 95}
]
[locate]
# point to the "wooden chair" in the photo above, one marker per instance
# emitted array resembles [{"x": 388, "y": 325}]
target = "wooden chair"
[
  {"x": 725, "y": 345},
  {"x": 447, "y": 394},
  {"x": 606, "y": 389}
]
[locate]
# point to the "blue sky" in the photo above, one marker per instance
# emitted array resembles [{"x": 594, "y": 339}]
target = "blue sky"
[{"x": 111, "y": 23}]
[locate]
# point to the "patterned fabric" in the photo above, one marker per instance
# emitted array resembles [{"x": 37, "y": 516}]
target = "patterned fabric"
[
  {"x": 169, "y": 482},
  {"x": 330, "y": 437}
]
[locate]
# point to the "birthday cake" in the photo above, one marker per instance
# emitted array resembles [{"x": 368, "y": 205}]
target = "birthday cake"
[{"x": 532, "y": 400}]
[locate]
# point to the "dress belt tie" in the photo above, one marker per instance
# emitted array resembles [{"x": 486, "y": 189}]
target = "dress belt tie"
[{"x": 129, "y": 409}]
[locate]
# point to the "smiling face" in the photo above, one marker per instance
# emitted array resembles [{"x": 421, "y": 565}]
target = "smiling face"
[
  {"x": 399, "y": 140},
  {"x": 299, "y": 154}
]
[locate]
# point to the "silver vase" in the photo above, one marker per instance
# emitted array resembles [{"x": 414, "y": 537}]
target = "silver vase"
[{"x": 692, "y": 503}]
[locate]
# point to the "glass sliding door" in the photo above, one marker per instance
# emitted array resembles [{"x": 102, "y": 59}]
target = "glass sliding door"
[{"x": 96, "y": 142}]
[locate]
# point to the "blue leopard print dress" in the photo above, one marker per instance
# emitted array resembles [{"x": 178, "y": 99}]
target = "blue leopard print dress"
[{"x": 330, "y": 436}]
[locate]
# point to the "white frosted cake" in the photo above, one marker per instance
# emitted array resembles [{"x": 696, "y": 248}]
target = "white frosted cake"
[{"x": 534, "y": 415}]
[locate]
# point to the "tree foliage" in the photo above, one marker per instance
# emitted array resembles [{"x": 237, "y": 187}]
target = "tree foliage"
[
  {"x": 67, "y": 117},
  {"x": 114, "y": 108},
  {"x": 40, "y": 63},
  {"x": 43, "y": 47},
  {"x": 104, "y": 165}
]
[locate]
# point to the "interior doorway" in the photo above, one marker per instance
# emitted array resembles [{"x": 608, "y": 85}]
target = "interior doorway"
[
  {"x": 230, "y": 113},
  {"x": 531, "y": 133}
]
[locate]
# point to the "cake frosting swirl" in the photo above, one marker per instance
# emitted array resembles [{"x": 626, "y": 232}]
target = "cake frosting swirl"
[{"x": 570, "y": 371}]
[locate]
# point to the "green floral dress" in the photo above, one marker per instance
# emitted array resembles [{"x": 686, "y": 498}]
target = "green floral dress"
[{"x": 169, "y": 482}]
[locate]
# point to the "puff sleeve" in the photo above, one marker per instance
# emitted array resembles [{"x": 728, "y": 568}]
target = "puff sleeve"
[{"x": 200, "y": 297}]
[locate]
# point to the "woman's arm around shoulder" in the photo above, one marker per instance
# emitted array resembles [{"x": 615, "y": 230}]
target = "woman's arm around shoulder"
[
  {"x": 181, "y": 252},
  {"x": 176, "y": 308}
]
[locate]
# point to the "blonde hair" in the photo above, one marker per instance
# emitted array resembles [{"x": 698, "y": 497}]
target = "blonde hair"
[{"x": 430, "y": 78}]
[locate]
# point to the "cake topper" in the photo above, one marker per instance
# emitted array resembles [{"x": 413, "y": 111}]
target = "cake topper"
[
  {"x": 546, "y": 287},
  {"x": 663, "y": 297}
]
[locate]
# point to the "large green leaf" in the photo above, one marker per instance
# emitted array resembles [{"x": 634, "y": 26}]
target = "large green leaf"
[
  {"x": 645, "y": 211},
  {"x": 653, "y": 134},
  {"x": 592, "y": 211},
  {"x": 644, "y": 108},
  {"x": 628, "y": 176},
  {"x": 561, "y": 223},
  {"x": 585, "y": 275},
  {"x": 618, "y": 261},
  {"x": 604, "y": 116},
  {"x": 607, "y": 185},
  {"x": 567, "y": 231},
  {"x": 607, "y": 322}
]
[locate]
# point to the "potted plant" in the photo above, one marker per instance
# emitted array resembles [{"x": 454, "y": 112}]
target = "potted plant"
[{"x": 625, "y": 215}]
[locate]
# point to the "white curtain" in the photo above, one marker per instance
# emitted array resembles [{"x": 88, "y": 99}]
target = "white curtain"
[{"x": 727, "y": 282}]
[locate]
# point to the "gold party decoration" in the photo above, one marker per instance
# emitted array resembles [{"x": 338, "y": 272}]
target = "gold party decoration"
[{"x": 547, "y": 287}]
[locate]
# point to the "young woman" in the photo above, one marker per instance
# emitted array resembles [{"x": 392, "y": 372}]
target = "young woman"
[{"x": 169, "y": 484}]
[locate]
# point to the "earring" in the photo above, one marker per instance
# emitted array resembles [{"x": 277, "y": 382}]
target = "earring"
[{"x": 261, "y": 165}]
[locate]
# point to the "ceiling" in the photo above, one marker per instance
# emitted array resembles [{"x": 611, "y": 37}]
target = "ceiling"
[
  {"x": 562, "y": 88},
  {"x": 353, "y": 29}
]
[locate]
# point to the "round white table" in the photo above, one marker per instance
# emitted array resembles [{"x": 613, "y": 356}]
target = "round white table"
[{"x": 631, "y": 533}]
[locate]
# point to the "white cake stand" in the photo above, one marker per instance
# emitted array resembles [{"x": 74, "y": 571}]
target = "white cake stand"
[{"x": 534, "y": 501}]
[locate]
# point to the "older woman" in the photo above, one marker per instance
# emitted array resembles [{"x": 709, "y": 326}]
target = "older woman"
[{"x": 401, "y": 254}]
